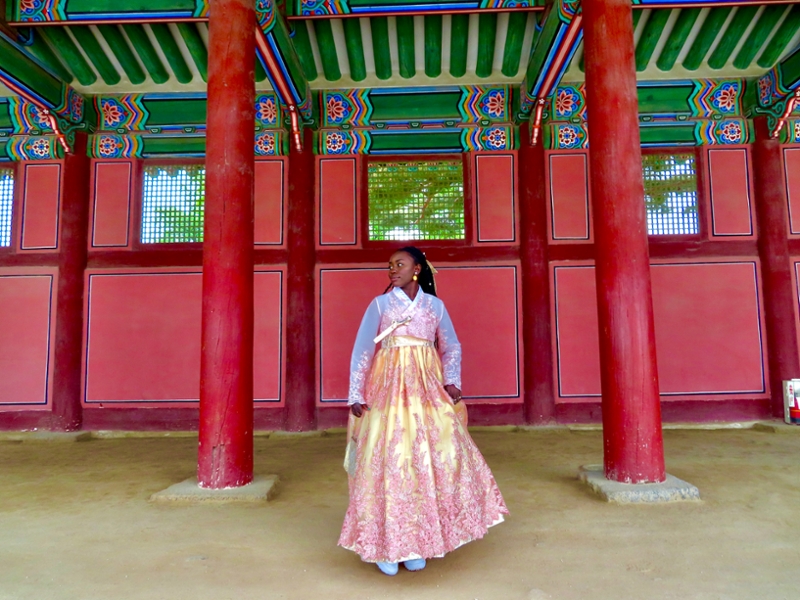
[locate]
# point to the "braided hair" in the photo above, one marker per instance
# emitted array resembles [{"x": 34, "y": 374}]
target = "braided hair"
[{"x": 425, "y": 278}]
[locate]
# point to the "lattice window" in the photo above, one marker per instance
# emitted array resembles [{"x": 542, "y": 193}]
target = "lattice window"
[
  {"x": 670, "y": 193},
  {"x": 416, "y": 200},
  {"x": 173, "y": 203},
  {"x": 6, "y": 202}
]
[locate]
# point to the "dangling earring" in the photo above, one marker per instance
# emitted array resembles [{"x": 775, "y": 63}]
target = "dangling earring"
[{"x": 414, "y": 277}]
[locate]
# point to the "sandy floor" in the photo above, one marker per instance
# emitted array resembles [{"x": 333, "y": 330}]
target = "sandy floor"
[{"x": 75, "y": 524}]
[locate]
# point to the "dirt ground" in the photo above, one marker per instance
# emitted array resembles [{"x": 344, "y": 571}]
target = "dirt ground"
[{"x": 75, "y": 523}]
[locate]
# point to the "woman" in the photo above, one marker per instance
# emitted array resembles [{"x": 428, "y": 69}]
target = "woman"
[{"x": 419, "y": 487}]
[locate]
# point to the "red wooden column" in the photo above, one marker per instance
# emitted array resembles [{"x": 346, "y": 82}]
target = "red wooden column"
[
  {"x": 72, "y": 251},
  {"x": 300, "y": 346},
  {"x": 539, "y": 398},
  {"x": 225, "y": 457},
  {"x": 776, "y": 267},
  {"x": 633, "y": 447}
]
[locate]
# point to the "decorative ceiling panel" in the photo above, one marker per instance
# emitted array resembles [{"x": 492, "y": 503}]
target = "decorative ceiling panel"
[
  {"x": 717, "y": 42},
  {"x": 415, "y": 50}
]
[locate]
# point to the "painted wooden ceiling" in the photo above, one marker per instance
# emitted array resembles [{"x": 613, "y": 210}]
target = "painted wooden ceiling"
[
  {"x": 413, "y": 50},
  {"x": 457, "y": 73}
]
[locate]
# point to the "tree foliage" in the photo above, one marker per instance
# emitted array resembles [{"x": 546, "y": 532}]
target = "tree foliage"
[
  {"x": 416, "y": 200},
  {"x": 667, "y": 177},
  {"x": 174, "y": 204}
]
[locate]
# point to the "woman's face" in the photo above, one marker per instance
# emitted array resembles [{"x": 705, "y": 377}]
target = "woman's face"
[{"x": 402, "y": 269}]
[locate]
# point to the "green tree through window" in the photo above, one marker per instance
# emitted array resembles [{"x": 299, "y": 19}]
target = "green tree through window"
[
  {"x": 6, "y": 203},
  {"x": 416, "y": 200},
  {"x": 670, "y": 193},
  {"x": 173, "y": 203}
]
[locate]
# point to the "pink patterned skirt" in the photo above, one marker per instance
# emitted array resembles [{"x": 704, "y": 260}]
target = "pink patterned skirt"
[{"x": 419, "y": 487}]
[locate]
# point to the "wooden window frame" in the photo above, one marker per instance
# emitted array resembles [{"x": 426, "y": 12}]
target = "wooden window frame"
[
  {"x": 700, "y": 171},
  {"x": 469, "y": 201}
]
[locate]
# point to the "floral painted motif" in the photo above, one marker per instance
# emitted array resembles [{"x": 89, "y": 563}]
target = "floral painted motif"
[
  {"x": 337, "y": 108},
  {"x": 323, "y": 7},
  {"x": 731, "y": 133},
  {"x": 75, "y": 107},
  {"x": 40, "y": 10},
  {"x": 109, "y": 146},
  {"x": 40, "y": 117},
  {"x": 265, "y": 144},
  {"x": 496, "y": 138},
  {"x": 113, "y": 113},
  {"x": 266, "y": 110},
  {"x": 494, "y": 104},
  {"x": 566, "y": 102},
  {"x": 41, "y": 147},
  {"x": 568, "y": 136},
  {"x": 796, "y": 138},
  {"x": 335, "y": 143},
  {"x": 724, "y": 99},
  {"x": 765, "y": 89}
]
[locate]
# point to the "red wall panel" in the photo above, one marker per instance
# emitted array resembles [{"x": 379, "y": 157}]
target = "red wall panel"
[
  {"x": 486, "y": 324},
  {"x": 268, "y": 343},
  {"x": 40, "y": 209},
  {"x": 26, "y": 323},
  {"x": 269, "y": 197},
  {"x": 338, "y": 199},
  {"x": 143, "y": 337},
  {"x": 344, "y": 295},
  {"x": 495, "y": 186},
  {"x": 792, "y": 165},
  {"x": 731, "y": 210},
  {"x": 569, "y": 197},
  {"x": 708, "y": 330},
  {"x": 112, "y": 188}
]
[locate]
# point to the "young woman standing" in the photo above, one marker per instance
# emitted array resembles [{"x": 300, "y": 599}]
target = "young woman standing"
[{"x": 419, "y": 487}]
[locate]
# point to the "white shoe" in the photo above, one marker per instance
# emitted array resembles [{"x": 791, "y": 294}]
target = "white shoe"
[
  {"x": 388, "y": 568},
  {"x": 415, "y": 565}
]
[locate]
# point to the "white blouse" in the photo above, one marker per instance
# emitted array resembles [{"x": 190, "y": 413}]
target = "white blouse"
[{"x": 429, "y": 321}]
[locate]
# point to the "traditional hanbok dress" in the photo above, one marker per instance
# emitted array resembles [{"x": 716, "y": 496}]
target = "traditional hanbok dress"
[{"x": 419, "y": 487}]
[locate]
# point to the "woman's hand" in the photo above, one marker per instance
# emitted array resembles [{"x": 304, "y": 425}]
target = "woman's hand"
[
  {"x": 454, "y": 392},
  {"x": 358, "y": 409}
]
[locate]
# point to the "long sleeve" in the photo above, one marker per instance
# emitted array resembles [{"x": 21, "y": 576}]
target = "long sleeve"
[
  {"x": 450, "y": 350},
  {"x": 363, "y": 352}
]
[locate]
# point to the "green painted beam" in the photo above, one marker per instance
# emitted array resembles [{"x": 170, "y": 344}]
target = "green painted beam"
[
  {"x": 400, "y": 105},
  {"x": 172, "y": 53},
  {"x": 777, "y": 45},
  {"x": 60, "y": 41},
  {"x": 197, "y": 49},
  {"x": 433, "y": 45},
  {"x": 327, "y": 49},
  {"x": 733, "y": 34},
  {"x": 23, "y": 70},
  {"x": 41, "y": 50},
  {"x": 405, "y": 46},
  {"x": 459, "y": 36},
  {"x": 705, "y": 37},
  {"x": 512, "y": 52},
  {"x": 380, "y": 47},
  {"x": 96, "y": 54},
  {"x": 758, "y": 35},
  {"x": 421, "y": 141},
  {"x": 677, "y": 38},
  {"x": 147, "y": 52},
  {"x": 302, "y": 41},
  {"x": 127, "y": 60},
  {"x": 487, "y": 37},
  {"x": 651, "y": 33},
  {"x": 355, "y": 49}
]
